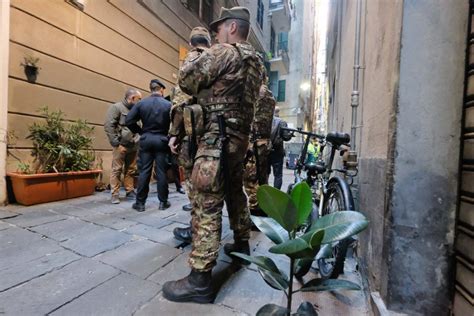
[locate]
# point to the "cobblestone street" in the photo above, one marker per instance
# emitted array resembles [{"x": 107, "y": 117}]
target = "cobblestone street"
[{"x": 88, "y": 257}]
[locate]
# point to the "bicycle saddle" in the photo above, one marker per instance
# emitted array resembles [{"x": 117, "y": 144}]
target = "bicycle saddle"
[
  {"x": 337, "y": 139},
  {"x": 315, "y": 167}
]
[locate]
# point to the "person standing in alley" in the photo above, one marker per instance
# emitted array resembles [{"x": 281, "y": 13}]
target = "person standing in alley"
[
  {"x": 225, "y": 79},
  {"x": 154, "y": 114},
  {"x": 277, "y": 153},
  {"x": 124, "y": 143}
]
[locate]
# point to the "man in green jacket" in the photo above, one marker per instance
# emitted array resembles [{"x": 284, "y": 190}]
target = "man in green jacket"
[{"x": 124, "y": 143}]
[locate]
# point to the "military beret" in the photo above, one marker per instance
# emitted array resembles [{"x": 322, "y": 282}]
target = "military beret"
[
  {"x": 157, "y": 82},
  {"x": 200, "y": 31},
  {"x": 239, "y": 13}
]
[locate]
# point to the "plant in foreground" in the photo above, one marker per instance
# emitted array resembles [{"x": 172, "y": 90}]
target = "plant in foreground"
[{"x": 287, "y": 213}]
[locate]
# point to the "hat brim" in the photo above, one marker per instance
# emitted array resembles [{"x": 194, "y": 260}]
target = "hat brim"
[{"x": 213, "y": 25}]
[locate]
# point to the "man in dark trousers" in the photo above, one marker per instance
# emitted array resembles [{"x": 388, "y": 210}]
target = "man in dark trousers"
[
  {"x": 277, "y": 153},
  {"x": 154, "y": 113}
]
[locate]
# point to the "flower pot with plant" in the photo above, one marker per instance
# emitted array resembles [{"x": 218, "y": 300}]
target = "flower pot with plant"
[
  {"x": 31, "y": 68},
  {"x": 63, "y": 159}
]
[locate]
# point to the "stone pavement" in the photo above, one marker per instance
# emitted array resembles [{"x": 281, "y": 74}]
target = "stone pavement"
[{"x": 86, "y": 256}]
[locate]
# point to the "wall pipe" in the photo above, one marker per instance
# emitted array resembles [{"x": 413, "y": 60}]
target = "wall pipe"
[{"x": 355, "y": 95}]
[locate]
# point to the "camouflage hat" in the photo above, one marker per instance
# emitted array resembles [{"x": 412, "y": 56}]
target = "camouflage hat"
[
  {"x": 240, "y": 13},
  {"x": 200, "y": 31}
]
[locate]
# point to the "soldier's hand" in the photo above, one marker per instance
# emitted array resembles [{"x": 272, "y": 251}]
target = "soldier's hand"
[
  {"x": 122, "y": 149},
  {"x": 173, "y": 146}
]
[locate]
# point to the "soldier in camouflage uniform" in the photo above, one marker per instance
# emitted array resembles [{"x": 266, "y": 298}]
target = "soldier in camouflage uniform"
[
  {"x": 259, "y": 148},
  {"x": 179, "y": 142},
  {"x": 225, "y": 79}
]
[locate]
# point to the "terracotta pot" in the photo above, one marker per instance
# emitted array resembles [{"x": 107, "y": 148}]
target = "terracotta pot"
[{"x": 32, "y": 189}]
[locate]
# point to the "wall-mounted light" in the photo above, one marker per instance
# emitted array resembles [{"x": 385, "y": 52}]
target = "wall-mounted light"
[
  {"x": 305, "y": 86},
  {"x": 80, "y": 4}
]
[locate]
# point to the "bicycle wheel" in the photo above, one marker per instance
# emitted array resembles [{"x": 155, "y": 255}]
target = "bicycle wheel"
[{"x": 338, "y": 197}]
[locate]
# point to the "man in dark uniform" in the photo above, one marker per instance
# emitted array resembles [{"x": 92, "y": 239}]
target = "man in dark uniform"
[{"x": 154, "y": 113}]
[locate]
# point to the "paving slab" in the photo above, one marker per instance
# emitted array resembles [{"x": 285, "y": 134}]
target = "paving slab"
[
  {"x": 247, "y": 292},
  {"x": 161, "y": 306},
  {"x": 49, "y": 292},
  {"x": 177, "y": 269},
  {"x": 4, "y": 225},
  {"x": 108, "y": 220},
  {"x": 19, "y": 245},
  {"x": 121, "y": 295},
  {"x": 150, "y": 219},
  {"x": 97, "y": 241},
  {"x": 152, "y": 233},
  {"x": 6, "y": 214},
  {"x": 23, "y": 271},
  {"x": 181, "y": 217},
  {"x": 66, "y": 229},
  {"x": 141, "y": 257},
  {"x": 32, "y": 219}
]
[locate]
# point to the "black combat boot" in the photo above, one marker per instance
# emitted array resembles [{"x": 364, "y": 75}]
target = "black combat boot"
[
  {"x": 139, "y": 207},
  {"x": 196, "y": 287},
  {"x": 188, "y": 207},
  {"x": 183, "y": 234},
  {"x": 238, "y": 246}
]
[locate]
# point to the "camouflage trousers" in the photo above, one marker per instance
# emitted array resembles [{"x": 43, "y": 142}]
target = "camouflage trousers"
[
  {"x": 254, "y": 176},
  {"x": 208, "y": 183},
  {"x": 125, "y": 163},
  {"x": 186, "y": 162}
]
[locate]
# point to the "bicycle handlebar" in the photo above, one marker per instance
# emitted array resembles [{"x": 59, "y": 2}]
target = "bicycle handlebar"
[{"x": 300, "y": 131}]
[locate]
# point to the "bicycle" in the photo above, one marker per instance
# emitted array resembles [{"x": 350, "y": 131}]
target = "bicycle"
[{"x": 331, "y": 193}]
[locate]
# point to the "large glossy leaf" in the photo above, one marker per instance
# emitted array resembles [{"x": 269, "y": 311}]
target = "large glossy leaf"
[
  {"x": 271, "y": 229},
  {"x": 324, "y": 252},
  {"x": 340, "y": 225},
  {"x": 278, "y": 205},
  {"x": 317, "y": 285},
  {"x": 306, "y": 309},
  {"x": 302, "y": 266},
  {"x": 261, "y": 261},
  {"x": 301, "y": 197},
  {"x": 300, "y": 247},
  {"x": 272, "y": 310},
  {"x": 275, "y": 280}
]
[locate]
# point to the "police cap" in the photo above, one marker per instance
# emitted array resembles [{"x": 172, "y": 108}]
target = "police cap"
[
  {"x": 155, "y": 82},
  {"x": 239, "y": 13}
]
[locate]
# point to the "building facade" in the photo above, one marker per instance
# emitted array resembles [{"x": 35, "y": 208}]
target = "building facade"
[
  {"x": 90, "y": 52},
  {"x": 396, "y": 74}
]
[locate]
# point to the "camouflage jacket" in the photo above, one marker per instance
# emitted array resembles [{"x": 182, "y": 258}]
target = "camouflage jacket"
[
  {"x": 225, "y": 78},
  {"x": 179, "y": 99},
  {"x": 263, "y": 115}
]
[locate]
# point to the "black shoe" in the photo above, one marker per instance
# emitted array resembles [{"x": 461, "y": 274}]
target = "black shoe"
[
  {"x": 181, "y": 190},
  {"x": 196, "y": 287},
  {"x": 188, "y": 207},
  {"x": 139, "y": 207},
  {"x": 164, "y": 205},
  {"x": 239, "y": 246},
  {"x": 131, "y": 195},
  {"x": 184, "y": 234}
]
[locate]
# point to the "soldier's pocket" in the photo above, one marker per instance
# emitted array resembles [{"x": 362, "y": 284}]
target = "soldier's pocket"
[{"x": 205, "y": 176}]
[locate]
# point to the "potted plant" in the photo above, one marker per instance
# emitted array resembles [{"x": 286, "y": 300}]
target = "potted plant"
[
  {"x": 31, "y": 68},
  {"x": 287, "y": 213},
  {"x": 62, "y": 161}
]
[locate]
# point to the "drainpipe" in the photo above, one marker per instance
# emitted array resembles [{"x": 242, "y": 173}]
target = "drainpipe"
[
  {"x": 355, "y": 95},
  {"x": 4, "y": 49}
]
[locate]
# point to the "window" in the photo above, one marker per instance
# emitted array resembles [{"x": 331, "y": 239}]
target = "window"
[
  {"x": 281, "y": 91},
  {"x": 273, "y": 82},
  {"x": 275, "y": 3},
  {"x": 283, "y": 41},
  {"x": 201, "y": 8},
  {"x": 260, "y": 11},
  {"x": 272, "y": 42}
]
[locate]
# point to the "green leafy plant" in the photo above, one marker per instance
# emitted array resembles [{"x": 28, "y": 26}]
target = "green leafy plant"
[
  {"x": 59, "y": 146},
  {"x": 287, "y": 213},
  {"x": 30, "y": 61}
]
